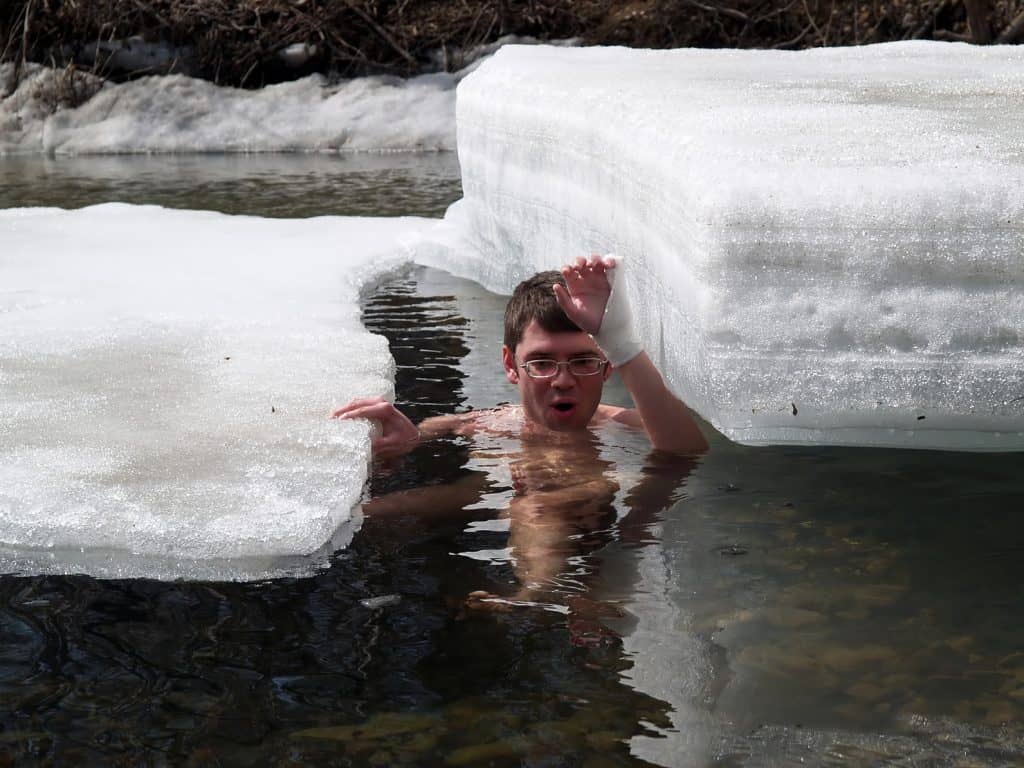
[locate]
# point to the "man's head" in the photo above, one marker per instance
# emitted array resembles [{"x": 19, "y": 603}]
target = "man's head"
[
  {"x": 536, "y": 328},
  {"x": 534, "y": 299}
]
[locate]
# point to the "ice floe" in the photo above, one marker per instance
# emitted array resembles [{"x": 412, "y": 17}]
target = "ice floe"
[
  {"x": 825, "y": 246},
  {"x": 165, "y": 382}
]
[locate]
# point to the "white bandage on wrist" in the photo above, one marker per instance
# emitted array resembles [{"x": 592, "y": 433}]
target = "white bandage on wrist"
[{"x": 616, "y": 337}]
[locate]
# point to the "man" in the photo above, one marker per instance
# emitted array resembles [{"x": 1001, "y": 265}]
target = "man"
[
  {"x": 539, "y": 465},
  {"x": 562, "y": 339}
]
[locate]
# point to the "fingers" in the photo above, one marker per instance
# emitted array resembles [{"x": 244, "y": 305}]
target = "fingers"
[
  {"x": 358, "y": 408},
  {"x": 563, "y": 298},
  {"x": 391, "y": 434},
  {"x": 383, "y": 412},
  {"x": 582, "y": 268}
]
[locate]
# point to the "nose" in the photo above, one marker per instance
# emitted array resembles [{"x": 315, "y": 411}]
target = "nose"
[{"x": 563, "y": 379}]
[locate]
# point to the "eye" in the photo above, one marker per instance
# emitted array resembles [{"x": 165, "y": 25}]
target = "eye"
[
  {"x": 586, "y": 366},
  {"x": 542, "y": 367}
]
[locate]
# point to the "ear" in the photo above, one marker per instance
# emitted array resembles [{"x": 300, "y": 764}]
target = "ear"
[
  {"x": 608, "y": 371},
  {"x": 509, "y": 361}
]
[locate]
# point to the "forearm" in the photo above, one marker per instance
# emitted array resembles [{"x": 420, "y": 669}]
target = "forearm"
[
  {"x": 429, "y": 500},
  {"x": 666, "y": 419},
  {"x": 439, "y": 426}
]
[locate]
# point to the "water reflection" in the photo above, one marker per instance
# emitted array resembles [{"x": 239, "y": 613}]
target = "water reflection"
[
  {"x": 856, "y": 602},
  {"x": 376, "y": 660},
  {"x": 261, "y": 184},
  {"x": 542, "y": 684},
  {"x": 831, "y": 605}
]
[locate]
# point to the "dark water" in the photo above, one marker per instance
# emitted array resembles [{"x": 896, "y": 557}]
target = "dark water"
[
  {"x": 765, "y": 607},
  {"x": 376, "y": 661}
]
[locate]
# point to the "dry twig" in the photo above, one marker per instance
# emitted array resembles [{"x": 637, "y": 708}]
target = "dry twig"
[{"x": 1014, "y": 31}]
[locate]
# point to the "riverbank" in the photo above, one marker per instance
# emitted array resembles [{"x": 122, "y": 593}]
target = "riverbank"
[{"x": 258, "y": 42}]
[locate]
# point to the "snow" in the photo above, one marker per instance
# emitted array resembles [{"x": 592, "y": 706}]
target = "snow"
[
  {"x": 178, "y": 114},
  {"x": 165, "y": 382},
  {"x": 824, "y": 246},
  {"x": 175, "y": 113}
]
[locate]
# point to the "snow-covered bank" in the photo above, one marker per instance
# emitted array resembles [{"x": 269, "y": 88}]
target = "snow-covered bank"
[
  {"x": 826, "y": 246},
  {"x": 165, "y": 381},
  {"x": 180, "y": 114},
  {"x": 176, "y": 113}
]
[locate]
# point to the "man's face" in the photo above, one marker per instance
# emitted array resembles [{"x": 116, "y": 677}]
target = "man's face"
[{"x": 563, "y": 402}]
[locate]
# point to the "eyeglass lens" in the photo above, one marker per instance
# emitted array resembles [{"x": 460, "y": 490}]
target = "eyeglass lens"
[{"x": 580, "y": 366}]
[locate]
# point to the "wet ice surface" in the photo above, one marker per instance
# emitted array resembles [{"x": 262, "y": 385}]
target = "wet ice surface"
[
  {"x": 824, "y": 246},
  {"x": 166, "y": 378}
]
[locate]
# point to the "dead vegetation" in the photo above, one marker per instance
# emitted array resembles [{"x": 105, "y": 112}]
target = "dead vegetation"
[
  {"x": 65, "y": 89},
  {"x": 799, "y": 24},
  {"x": 245, "y": 42}
]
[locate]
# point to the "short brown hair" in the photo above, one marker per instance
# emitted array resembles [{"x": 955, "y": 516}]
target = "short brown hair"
[{"x": 534, "y": 299}]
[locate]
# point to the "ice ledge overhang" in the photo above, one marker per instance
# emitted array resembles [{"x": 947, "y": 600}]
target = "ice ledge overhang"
[{"x": 825, "y": 247}]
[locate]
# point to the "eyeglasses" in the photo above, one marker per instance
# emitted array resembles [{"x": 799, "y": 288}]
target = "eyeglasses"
[{"x": 578, "y": 366}]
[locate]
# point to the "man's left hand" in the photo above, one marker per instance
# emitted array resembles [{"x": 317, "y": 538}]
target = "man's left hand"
[{"x": 586, "y": 291}]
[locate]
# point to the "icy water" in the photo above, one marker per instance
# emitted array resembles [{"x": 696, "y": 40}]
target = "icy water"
[
  {"x": 759, "y": 607},
  {"x": 370, "y": 184}
]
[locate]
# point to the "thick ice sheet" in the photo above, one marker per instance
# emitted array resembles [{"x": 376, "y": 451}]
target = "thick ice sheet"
[
  {"x": 825, "y": 246},
  {"x": 165, "y": 381}
]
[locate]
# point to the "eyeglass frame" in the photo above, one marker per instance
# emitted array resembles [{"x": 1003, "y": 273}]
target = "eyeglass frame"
[{"x": 567, "y": 363}]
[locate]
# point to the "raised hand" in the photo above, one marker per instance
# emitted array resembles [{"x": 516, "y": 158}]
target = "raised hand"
[
  {"x": 397, "y": 434},
  {"x": 586, "y": 291}
]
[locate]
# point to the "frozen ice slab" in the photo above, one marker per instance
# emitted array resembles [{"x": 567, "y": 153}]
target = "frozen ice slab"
[
  {"x": 825, "y": 246},
  {"x": 165, "y": 382}
]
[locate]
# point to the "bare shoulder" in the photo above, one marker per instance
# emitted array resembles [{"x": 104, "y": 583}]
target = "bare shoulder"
[
  {"x": 628, "y": 416},
  {"x": 500, "y": 420}
]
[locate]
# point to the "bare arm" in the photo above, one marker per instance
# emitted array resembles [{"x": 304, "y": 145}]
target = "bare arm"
[
  {"x": 662, "y": 415},
  {"x": 586, "y": 299},
  {"x": 429, "y": 501},
  {"x": 397, "y": 435}
]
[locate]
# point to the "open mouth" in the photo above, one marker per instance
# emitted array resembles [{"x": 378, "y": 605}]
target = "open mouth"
[{"x": 563, "y": 411}]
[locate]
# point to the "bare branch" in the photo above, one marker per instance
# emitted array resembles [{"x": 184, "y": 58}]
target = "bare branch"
[
  {"x": 977, "y": 17},
  {"x": 796, "y": 40},
  {"x": 149, "y": 9},
  {"x": 384, "y": 35},
  {"x": 1014, "y": 32},
  {"x": 929, "y": 23},
  {"x": 951, "y": 37},
  {"x": 732, "y": 13}
]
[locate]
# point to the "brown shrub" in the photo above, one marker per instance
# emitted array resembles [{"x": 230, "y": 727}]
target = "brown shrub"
[{"x": 237, "y": 42}]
